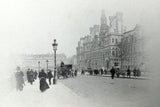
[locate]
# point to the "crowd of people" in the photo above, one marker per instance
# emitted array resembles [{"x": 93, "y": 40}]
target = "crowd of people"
[
  {"x": 113, "y": 72},
  {"x": 31, "y": 75}
]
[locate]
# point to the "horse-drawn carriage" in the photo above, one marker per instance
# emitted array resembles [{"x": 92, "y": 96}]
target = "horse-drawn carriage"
[{"x": 64, "y": 71}]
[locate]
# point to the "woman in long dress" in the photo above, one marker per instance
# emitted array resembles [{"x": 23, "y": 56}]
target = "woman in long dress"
[{"x": 43, "y": 84}]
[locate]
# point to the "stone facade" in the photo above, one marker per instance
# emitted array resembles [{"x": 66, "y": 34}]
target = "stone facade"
[
  {"x": 101, "y": 48},
  {"x": 109, "y": 45},
  {"x": 31, "y": 60},
  {"x": 72, "y": 60},
  {"x": 132, "y": 49}
]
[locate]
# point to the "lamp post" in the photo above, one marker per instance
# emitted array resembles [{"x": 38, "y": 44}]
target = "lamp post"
[
  {"x": 39, "y": 66},
  {"x": 54, "y": 49},
  {"x": 47, "y": 65}
]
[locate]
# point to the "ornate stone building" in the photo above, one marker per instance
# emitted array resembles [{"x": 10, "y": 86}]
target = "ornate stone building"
[
  {"x": 101, "y": 48},
  {"x": 110, "y": 45}
]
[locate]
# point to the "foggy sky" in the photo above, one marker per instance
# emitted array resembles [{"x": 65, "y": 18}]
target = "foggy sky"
[{"x": 29, "y": 26}]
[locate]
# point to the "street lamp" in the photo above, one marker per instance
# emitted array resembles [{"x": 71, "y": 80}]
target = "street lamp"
[
  {"x": 54, "y": 49},
  {"x": 47, "y": 65},
  {"x": 39, "y": 66}
]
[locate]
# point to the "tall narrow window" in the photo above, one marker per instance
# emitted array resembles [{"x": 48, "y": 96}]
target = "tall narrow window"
[
  {"x": 113, "y": 53},
  {"x": 112, "y": 40},
  {"x": 116, "y": 40}
]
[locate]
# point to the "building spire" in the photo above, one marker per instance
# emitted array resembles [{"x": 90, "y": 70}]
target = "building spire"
[
  {"x": 103, "y": 17},
  {"x": 104, "y": 27}
]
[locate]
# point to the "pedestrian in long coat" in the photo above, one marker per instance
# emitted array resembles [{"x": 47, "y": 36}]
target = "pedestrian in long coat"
[
  {"x": 117, "y": 72},
  {"x": 101, "y": 71},
  {"x": 135, "y": 72},
  {"x": 43, "y": 84},
  {"x": 35, "y": 75},
  {"x": 112, "y": 72},
  {"x": 91, "y": 72},
  {"x": 31, "y": 76},
  {"x": 128, "y": 73},
  {"x": 96, "y": 72},
  {"x": 50, "y": 76},
  {"x": 105, "y": 71},
  {"x": 75, "y": 73},
  {"x": 82, "y": 73},
  {"x": 19, "y": 79},
  {"x": 28, "y": 75}
]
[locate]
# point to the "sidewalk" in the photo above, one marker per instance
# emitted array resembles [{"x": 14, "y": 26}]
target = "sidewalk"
[{"x": 56, "y": 96}]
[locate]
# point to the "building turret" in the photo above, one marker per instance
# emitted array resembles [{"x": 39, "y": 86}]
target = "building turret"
[{"x": 116, "y": 23}]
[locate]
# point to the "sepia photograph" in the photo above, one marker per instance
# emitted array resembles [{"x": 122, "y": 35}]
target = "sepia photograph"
[{"x": 80, "y": 53}]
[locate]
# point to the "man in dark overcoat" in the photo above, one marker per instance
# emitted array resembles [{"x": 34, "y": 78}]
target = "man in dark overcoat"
[
  {"x": 101, "y": 71},
  {"x": 31, "y": 76},
  {"x": 75, "y": 73},
  {"x": 105, "y": 71},
  {"x": 128, "y": 72},
  {"x": 50, "y": 76},
  {"x": 112, "y": 72}
]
